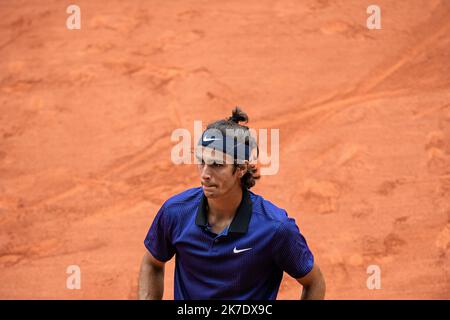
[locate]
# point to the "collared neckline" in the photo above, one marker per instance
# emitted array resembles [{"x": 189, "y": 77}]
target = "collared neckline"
[{"x": 241, "y": 219}]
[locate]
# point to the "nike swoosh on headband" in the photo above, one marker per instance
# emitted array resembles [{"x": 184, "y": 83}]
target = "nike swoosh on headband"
[{"x": 210, "y": 139}]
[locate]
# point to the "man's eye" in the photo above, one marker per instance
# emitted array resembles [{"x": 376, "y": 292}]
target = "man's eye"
[{"x": 217, "y": 165}]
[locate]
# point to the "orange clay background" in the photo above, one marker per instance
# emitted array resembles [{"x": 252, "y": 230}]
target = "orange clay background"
[{"x": 86, "y": 119}]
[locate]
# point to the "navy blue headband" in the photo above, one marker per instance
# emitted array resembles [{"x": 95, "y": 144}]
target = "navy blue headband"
[{"x": 213, "y": 138}]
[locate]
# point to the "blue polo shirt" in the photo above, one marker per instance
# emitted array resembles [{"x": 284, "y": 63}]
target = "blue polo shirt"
[{"x": 244, "y": 262}]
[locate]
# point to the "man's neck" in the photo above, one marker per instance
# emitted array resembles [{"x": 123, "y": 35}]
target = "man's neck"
[{"x": 224, "y": 208}]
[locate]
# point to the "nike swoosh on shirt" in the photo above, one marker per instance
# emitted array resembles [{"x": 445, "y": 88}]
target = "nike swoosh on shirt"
[{"x": 240, "y": 250}]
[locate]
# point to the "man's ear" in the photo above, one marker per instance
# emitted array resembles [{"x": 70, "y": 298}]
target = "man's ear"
[{"x": 243, "y": 169}]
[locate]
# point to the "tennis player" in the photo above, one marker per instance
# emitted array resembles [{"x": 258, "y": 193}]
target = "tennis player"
[{"x": 228, "y": 242}]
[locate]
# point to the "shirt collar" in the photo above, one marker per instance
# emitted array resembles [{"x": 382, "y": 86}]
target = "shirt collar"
[{"x": 241, "y": 219}]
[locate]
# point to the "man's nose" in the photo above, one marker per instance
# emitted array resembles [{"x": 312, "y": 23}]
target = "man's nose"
[{"x": 205, "y": 172}]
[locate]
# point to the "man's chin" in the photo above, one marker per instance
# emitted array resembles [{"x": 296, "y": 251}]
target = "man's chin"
[{"x": 210, "y": 192}]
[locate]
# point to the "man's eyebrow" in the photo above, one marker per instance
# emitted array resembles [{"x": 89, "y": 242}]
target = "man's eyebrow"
[{"x": 212, "y": 161}]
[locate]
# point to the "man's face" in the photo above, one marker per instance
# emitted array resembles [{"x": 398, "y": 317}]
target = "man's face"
[{"x": 216, "y": 172}]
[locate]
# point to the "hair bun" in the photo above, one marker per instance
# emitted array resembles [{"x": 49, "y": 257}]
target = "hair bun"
[{"x": 238, "y": 115}]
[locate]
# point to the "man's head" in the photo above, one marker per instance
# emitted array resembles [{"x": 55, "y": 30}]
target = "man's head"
[{"x": 225, "y": 152}]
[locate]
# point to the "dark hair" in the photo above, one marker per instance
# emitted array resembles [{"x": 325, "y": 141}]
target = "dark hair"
[{"x": 248, "y": 180}]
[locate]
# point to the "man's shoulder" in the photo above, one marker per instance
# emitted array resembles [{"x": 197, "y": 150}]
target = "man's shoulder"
[
  {"x": 268, "y": 210},
  {"x": 188, "y": 197}
]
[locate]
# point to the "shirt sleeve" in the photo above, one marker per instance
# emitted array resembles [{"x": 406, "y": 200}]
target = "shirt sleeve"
[
  {"x": 158, "y": 240},
  {"x": 291, "y": 252}
]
